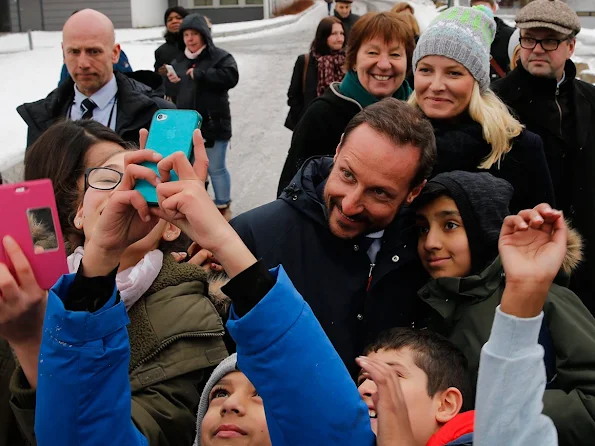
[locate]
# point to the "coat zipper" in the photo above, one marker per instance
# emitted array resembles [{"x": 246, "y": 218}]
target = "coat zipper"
[
  {"x": 559, "y": 108},
  {"x": 173, "y": 339},
  {"x": 372, "y": 265}
]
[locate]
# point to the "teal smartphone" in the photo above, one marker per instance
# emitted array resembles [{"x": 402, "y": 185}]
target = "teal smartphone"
[{"x": 171, "y": 131}]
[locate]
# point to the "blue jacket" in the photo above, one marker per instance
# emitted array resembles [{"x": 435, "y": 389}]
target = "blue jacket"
[
  {"x": 308, "y": 394},
  {"x": 83, "y": 372}
]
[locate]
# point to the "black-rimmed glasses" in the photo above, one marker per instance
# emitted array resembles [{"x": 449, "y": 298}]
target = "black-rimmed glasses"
[
  {"x": 102, "y": 178},
  {"x": 530, "y": 43}
]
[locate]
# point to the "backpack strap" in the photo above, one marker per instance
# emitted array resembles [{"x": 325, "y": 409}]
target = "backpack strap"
[
  {"x": 497, "y": 67},
  {"x": 306, "y": 63}
]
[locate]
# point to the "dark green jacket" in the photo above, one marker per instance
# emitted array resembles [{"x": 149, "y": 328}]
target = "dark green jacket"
[
  {"x": 464, "y": 312},
  {"x": 176, "y": 339}
]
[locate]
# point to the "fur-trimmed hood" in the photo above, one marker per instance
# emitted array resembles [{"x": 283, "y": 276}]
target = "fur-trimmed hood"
[{"x": 574, "y": 251}]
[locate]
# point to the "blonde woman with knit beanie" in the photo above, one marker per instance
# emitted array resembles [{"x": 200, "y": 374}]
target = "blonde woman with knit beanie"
[{"x": 474, "y": 129}]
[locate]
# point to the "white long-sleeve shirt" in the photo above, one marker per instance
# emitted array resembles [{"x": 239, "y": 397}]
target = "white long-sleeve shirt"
[{"x": 510, "y": 386}]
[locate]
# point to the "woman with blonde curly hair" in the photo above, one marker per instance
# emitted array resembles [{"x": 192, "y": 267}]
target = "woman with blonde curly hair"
[{"x": 474, "y": 129}]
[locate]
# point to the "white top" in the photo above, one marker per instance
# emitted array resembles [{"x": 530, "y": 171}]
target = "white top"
[
  {"x": 510, "y": 386},
  {"x": 105, "y": 98},
  {"x": 376, "y": 245}
]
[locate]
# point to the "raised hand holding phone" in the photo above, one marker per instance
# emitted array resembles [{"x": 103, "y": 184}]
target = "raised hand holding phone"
[
  {"x": 170, "y": 132},
  {"x": 187, "y": 204},
  {"x": 124, "y": 220}
]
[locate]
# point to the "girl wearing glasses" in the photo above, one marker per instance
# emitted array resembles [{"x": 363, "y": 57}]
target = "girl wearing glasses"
[
  {"x": 474, "y": 130},
  {"x": 175, "y": 330}
]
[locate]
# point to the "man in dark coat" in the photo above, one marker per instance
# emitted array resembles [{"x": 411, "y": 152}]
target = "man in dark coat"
[
  {"x": 551, "y": 102},
  {"x": 342, "y": 229},
  {"x": 499, "y": 48},
  {"x": 94, "y": 91},
  {"x": 343, "y": 13}
]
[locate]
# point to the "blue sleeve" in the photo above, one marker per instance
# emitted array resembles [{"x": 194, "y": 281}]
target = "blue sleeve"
[
  {"x": 63, "y": 75},
  {"x": 83, "y": 390},
  {"x": 123, "y": 65},
  {"x": 309, "y": 397}
]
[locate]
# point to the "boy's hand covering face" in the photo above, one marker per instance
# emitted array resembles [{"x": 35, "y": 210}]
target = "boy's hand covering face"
[
  {"x": 532, "y": 247},
  {"x": 394, "y": 427}
]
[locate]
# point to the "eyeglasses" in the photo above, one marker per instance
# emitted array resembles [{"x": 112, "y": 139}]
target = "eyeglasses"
[
  {"x": 102, "y": 178},
  {"x": 530, "y": 43}
]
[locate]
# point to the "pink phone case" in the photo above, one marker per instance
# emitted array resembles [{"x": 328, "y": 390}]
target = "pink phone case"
[{"x": 16, "y": 200}]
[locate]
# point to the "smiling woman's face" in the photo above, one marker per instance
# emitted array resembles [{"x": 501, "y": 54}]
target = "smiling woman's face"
[
  {"x": 381, "y": 67},
  {"x": 235, "y": 415},
  {"x": 443, "y": 87}
]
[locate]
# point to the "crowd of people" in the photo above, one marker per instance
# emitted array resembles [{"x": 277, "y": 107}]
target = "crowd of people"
[{"x": 425, "y": 277}]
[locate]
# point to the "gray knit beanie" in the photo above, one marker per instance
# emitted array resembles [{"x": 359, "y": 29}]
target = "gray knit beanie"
[
  {"x": 462, "y": 34},
  {"x": 552, "y": 14},
  {"x": 227, "y": 366}
]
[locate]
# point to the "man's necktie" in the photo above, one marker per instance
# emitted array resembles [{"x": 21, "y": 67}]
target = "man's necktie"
[{"x": 87, "y": 108}]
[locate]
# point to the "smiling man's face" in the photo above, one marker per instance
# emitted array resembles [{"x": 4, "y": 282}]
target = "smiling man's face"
[{"x": 370, "y": 180}]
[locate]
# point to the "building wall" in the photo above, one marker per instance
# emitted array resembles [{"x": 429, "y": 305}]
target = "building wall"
[
  {"x": 13, "y": 18},
  {"x": 146, "y": 13},
  {"x": 230, "y": 15},
  {"x": 56, "y": 12}
]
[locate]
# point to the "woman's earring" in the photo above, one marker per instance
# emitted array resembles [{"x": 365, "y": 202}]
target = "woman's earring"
[{"x": 168, "y": 236}]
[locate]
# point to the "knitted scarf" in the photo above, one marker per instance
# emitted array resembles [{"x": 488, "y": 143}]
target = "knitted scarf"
[
  {"x": 330, "y": 69},
  {"x": 351, "y": 86}
]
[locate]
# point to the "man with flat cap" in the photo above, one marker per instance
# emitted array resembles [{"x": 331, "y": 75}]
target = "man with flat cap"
[{"x": 550, "y": 101}]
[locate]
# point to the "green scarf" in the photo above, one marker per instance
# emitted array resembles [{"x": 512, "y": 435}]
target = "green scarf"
[{"x": 351, "y": 87}]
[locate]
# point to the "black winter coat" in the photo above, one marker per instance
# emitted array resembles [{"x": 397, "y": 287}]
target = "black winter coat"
[
  {"x": 170, "y": 51},
  {"x": 319, "y": 131},
  {"x": 499, "y": 49},
  {"x": 462, "y": 147},
  {"x": 137, "y": 104},
  {"x": 348, "y": 22},
  {"x": 215, "y": 72},
  {"x": 564, "y": 117},
  {"x": 299, "y": 99},
  {"x": 332, "y": 274}
]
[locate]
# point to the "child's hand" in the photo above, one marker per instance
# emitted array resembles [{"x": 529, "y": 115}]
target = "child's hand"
[
  {"x": 124, "y": 220},
  {"x": 394, "y": 427},
  {"x": 532, "y": 247},
  {"x": 186, "y": 202},
  {"x": 22, "y": 301},
  {"x": 22, "y": 309}
]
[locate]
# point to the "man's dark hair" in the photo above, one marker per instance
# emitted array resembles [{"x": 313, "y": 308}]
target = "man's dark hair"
[
  {"x": 443, "y": 363},
  {"x": 402, "y": 124}
]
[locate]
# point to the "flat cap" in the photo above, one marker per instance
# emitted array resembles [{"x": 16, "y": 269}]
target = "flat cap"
[{"x": 552, "y": 14}]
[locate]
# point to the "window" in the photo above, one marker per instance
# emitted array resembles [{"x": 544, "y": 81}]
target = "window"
[
  {"x": 228, "y": 2},
  {"x": 203, "y": 2},
  {"x": 254, "y": 2}
]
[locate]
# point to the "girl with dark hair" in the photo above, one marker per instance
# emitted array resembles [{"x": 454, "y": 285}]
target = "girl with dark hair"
[
  {"x": 176, "y": 332},
  {"x": 315, "y": 71},
  {"x": 62, "y": 154}
]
